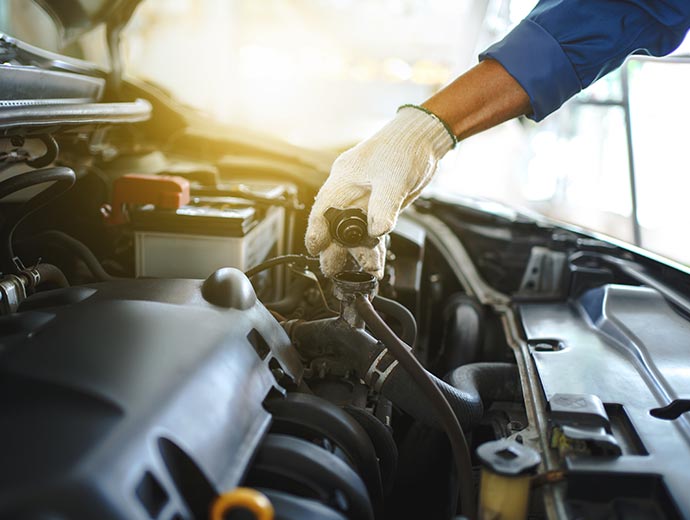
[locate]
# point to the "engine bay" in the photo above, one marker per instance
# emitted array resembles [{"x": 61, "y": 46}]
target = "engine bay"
[{"x": 165, "y": 340}]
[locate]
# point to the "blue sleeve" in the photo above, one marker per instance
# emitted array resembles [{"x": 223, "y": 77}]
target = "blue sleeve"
[{"x": 563, "y": 46}]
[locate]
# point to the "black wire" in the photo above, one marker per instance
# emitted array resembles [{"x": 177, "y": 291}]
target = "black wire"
[
  {"x": 458, "y": 442},
  {"x": 62, "y": 178},
  {"x": 279, "y": 260}
]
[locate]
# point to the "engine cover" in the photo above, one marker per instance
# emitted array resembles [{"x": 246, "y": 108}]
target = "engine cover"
[{"x": 132, "y": 399}]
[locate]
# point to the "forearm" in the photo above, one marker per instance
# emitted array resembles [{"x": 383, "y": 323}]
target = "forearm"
[{"x": 482, "y": 98}]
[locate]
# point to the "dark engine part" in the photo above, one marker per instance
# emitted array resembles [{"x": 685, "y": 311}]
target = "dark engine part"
[
  {"x": 352, "y": 349},
  {"x": 309, "y": 417},
  {"x": 170, "y": 393},
  {"x": 463, "y": 332},
  {"x": 132, "y": 399},
  {"x": 301, "y": 468},
  {"x": 291, "y": 507}
]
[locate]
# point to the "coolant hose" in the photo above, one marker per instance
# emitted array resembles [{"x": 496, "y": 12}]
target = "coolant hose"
[
  {"x": 469, "y": 389},
  {"x": 400, "y": 313},
  {"x": 61, "y": 179},
  {"x": 48, "y": 273},
  {"x": 435, "y": 397},
  {"x": 400, "y": 388},
  {"x": 480, "y": 384},
  {"x": 77, "y": 248},
  {"x": 463, "y": 332}
]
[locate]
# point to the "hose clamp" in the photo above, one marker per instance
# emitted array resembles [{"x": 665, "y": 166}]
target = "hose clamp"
[{"x": 374, "y": 370}]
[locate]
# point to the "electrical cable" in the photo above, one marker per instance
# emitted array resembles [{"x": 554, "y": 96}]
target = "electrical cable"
[
  {"x": 52, "y": 151},
  {"x": 458, "y": 442},
  {"x": 280, "y": 260}
]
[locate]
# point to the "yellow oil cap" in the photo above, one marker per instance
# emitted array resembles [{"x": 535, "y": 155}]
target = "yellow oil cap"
[{"x": 242, "y": 498}]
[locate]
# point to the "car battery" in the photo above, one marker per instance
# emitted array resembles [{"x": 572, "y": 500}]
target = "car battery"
[{"x": 206, "y": 234}]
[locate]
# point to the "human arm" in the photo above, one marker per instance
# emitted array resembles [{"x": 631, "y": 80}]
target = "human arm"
[
  {"x": 386, "y": 172},
  {"x": 563, "y": 46},
  {"x": 560, "y": 48}
]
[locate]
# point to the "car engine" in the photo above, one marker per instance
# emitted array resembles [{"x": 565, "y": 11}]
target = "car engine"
[{"x": 169, "y": 351}]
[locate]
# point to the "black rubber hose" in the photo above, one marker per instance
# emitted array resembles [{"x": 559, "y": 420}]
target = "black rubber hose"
[
  {"x": 292, "y": 298},
  {"x": 62, "y": 178},
  {"x": 399, "y": 387},
  {"x": 481, "y": 384},
  {"x": 470, "y": 389},
  {"x": 401, "y": 314},
  {"x": 79, "y": 249},
  {"x": 288, "y": 304},
  {"x": 49, "y": 273},
  {"x": 473, "y": 387},
  {"x": 436, "y": 398},
  {"x": 463, "y": 333}
]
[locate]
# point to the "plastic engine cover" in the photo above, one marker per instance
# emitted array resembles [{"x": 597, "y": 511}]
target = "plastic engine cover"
[{"x": 131, "y": 399}]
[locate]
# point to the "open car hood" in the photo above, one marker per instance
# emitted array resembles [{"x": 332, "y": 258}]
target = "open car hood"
[{"x": 77, "y": 17}]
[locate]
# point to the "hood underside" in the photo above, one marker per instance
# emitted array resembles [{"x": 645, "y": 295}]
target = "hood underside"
[{"x": 77, "y": 17}]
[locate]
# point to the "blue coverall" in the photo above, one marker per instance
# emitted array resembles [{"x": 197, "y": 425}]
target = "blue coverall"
[{"x": 563, "y": 46}]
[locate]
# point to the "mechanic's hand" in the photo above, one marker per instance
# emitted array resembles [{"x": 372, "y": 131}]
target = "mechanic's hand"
[{"x": 381, "y": 175}]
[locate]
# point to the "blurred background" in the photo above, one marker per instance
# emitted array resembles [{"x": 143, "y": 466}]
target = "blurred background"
[{"x": 324, "y": 74}]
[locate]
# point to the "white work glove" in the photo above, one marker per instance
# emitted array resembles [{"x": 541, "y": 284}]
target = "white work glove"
[{"x": 381, "y": 175}]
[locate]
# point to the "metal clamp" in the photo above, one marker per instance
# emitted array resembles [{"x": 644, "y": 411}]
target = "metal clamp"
[{"x": 382, "y": 374}]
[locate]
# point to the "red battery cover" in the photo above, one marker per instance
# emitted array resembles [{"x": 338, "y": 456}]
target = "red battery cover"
[{"x": 163, "y": 191}]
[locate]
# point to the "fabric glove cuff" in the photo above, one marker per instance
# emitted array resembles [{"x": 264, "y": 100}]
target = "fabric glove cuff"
[{"x": 427, "y": 126}]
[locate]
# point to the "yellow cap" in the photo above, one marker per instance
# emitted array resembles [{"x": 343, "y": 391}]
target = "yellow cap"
[{"x": 246, "y": 498}]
